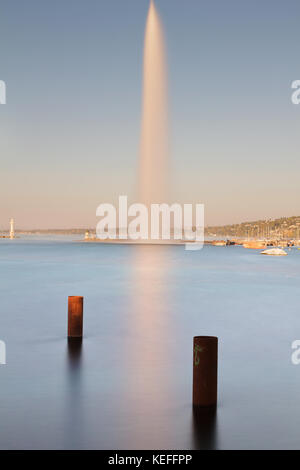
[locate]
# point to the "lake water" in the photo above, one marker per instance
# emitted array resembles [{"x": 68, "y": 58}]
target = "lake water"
[{"x": 129, "y": 385}]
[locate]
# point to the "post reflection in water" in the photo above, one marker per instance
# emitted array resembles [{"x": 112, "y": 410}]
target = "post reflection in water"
[
  {"x": 74, "y": 409},
  {"x": 74, "y": 353},
  {"x": 204, "y": 428}
]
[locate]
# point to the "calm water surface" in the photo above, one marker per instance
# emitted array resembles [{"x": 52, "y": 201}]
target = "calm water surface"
[{"x": 128, "y": 386}]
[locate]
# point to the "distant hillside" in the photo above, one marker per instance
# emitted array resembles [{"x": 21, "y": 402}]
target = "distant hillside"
[{"x": 285, "y": 227}]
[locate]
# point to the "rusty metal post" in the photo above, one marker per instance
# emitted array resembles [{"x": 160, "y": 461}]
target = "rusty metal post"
[
  {"x": 205, "y": 371},
  {"x": 75, "y": 317}
]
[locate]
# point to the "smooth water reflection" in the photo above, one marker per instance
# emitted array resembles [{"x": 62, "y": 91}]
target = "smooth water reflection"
[
  {"x": 149, "y": 388},
  {"x": 205, "y": 428},
  {"x": 74, "y": 417},
  {"x": 74, "y": 354}
]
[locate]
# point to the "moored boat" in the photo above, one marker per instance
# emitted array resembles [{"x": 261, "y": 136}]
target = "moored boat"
[
  {"x": 274, "y": 252},
  {"x": 255, "y": 245}
]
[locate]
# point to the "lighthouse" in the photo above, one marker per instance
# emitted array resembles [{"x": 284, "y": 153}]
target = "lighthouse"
[{"x": 12, "y": 229}]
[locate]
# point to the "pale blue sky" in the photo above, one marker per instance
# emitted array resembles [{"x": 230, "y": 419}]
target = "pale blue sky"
[{"x": 69, "y": 133}]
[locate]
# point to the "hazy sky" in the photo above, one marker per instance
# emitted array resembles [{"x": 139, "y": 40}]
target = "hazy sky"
[{"x": 69, "y": 133}]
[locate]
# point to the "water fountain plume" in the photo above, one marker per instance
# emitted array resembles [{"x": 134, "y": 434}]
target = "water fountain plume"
[{"x": 153, "y": 177}]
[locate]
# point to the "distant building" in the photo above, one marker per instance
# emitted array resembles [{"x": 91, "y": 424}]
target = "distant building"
[{"x": 12, "y": 229}]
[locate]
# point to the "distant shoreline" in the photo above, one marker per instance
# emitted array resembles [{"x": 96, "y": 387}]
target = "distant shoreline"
[
  {"x": 254, "y": 243},
  {"x": 284, "y": 228}
]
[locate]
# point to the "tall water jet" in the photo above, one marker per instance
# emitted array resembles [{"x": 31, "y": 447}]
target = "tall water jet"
[{"x": 153, "y": 175}]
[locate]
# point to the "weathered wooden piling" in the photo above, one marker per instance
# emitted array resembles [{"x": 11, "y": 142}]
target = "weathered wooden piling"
[
  {"x": 205, "y": 371},
  {"x": 75, "y": 316}
]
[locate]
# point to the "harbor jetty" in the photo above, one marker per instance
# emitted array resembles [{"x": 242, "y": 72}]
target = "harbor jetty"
[{"x": 253, "y": 244}]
